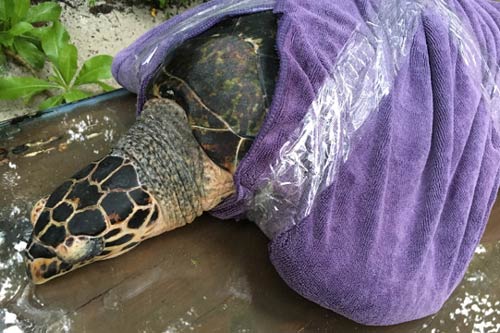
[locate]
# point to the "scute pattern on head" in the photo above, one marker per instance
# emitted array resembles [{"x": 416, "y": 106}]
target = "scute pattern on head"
[{"x": 92, "y": 216}]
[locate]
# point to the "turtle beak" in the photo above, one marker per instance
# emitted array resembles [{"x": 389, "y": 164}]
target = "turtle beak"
[
  {"x": 44, "y": 263},
  {"x": 41, "y": 270}
]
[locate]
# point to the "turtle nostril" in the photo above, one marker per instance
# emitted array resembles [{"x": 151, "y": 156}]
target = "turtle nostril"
[
  {"x": 78, "y": 249},
  {"x": 69, "y": 241}
]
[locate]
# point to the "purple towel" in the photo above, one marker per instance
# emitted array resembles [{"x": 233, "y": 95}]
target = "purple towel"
[{"x": 378, "y": 163}]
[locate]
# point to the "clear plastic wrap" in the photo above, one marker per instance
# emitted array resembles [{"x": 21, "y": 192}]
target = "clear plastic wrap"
[{"x": 363, "y": 74}]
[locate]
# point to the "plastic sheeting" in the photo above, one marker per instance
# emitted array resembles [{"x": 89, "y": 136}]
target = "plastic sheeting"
[{"x": 363, "y": 74}]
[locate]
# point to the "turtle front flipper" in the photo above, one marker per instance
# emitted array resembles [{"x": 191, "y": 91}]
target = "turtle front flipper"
[{"x": 156, "y": 179}]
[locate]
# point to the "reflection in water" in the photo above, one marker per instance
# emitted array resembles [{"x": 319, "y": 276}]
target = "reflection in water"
[
  {"x": 12, "y": 274},
  {"x": 475, "y": 305},
  {"x": 34, "y": 316},
  {"x": 21, "y": 311}
]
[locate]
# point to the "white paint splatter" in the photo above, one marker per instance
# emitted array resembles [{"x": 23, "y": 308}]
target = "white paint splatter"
[
  {"x": 10, "y": 318},
  {"x": 183, "y": 323},
  {"x": 20, "y": 246},
  {"x": 480, "y": 249},
  {"x": 15, "y": 211},
  {"x": 13, "y": 329},
  {"x": 5, "y": 289}
]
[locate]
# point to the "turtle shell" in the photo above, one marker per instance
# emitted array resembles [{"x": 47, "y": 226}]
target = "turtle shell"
[{"x": 224, "y": 79}]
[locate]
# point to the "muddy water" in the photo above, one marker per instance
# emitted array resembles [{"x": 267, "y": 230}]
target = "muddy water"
[{"x": 206, "y": 277}]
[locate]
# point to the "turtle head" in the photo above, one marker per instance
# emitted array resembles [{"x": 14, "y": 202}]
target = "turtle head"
[{"x": 99, "y": 213}]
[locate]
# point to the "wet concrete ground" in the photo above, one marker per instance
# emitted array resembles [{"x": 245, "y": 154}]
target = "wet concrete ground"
[{"x": 210, "y": 276}]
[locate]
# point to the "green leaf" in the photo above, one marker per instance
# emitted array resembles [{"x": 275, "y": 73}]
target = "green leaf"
[
  {"x": 39, "y": 32},
  {"x": 57, "y": 79},
  {"x": 43, "y": 12},
  {"x": 54, "y": 40},
  {"x": 19, "y": 10},
  {"x": 25, "y": 87},
  {"x": 6, "y": 12},
  {"x": 6, "y": 39},
  {"x": 51, "y": 102},
  {"x": 3, "y": 59},
  {"x": 29, "y": 52},
  {"x": 20, "y": 28},
  {"x": 75, "y": 95},
  {"x": 104, "y": 86},
  {"x": 68, "y": 62},
  {"x": 95, "y": 69}
]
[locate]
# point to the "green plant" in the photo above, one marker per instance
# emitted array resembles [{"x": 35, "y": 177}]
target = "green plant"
[
  {"x": 91, "y": 3},
  {"x": 21, "y": 29},
  {"x": 66, "y": 79}
]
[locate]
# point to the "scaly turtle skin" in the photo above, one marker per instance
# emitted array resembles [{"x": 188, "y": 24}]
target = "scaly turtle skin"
[{"x": 206, "y": 104}]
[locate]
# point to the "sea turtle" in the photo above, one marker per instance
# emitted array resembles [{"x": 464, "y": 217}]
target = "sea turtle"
[{"x": 205, "y": 106}]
